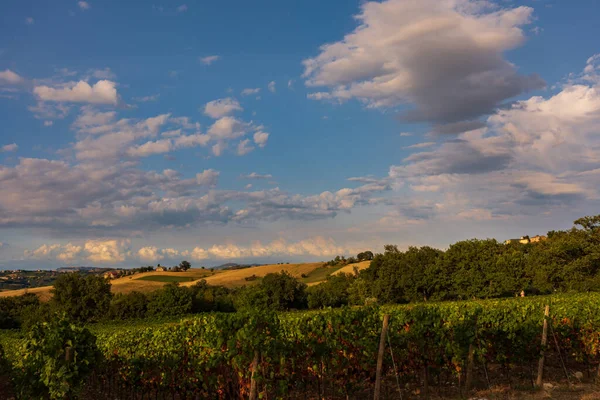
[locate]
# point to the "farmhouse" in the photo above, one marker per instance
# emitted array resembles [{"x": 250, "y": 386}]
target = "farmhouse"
[
  {"x": 526, "y": 239},
  {"x": 111, "y": 275}
]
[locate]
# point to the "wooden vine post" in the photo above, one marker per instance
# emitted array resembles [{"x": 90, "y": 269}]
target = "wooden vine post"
[
  {"x": 384, "y": 329},
  {"x": 540, "y": 374},
  {"x": 69, "y": 354},
  {"x": 253, "y": 384},
  {"x": 470, "y": 366}
]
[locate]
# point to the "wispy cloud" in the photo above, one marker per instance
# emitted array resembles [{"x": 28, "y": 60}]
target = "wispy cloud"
[{"x": 208, "y": 60}]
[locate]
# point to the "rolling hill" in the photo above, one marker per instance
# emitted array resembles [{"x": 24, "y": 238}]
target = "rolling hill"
[{"x": 310, "y": 273}]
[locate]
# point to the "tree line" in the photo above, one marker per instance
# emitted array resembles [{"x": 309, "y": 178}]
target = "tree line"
[{"x": 568, "y": 261}]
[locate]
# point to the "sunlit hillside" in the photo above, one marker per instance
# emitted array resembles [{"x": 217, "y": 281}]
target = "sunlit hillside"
[{"x": 311, "y": 273}]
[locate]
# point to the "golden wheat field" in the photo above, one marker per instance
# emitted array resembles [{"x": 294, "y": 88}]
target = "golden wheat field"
[
  {"x": 349, "y": 269},
  {"x": 236, "y": 278}
]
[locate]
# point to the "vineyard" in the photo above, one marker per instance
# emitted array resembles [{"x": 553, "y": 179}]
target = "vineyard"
[{"x": 333, "y": 353}]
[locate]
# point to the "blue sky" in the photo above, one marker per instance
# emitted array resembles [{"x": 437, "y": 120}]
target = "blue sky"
[{"x": 138, "y": 133}]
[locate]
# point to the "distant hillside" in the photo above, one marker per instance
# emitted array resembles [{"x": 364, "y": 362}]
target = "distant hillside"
[
  {"x": 230, "y": 275},
  {"x": 233, "y": 266}
]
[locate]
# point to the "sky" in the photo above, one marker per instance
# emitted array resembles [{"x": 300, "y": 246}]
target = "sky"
[{"x": 135, "y": 133}]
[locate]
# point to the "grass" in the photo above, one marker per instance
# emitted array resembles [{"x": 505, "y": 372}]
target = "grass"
[
  {"x": 319, "y": 275},
  {"x": 349, "y": 269},
  {"x": 236, "y": 278},
  {"x": 166, "y": 278}
]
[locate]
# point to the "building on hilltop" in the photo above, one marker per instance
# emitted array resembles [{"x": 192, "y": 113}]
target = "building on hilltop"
[
  {"x": 111, "y": 274},
  {"x": 526, "y": 239}
]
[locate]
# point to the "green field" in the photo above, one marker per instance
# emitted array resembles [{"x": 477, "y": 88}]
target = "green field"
[
  {"x": 319, "y": 274},
  {"x": 166, "y": 278}
]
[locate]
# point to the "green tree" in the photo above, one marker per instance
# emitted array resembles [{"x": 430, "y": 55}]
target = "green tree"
[
  {"x": 184, "y": 265},
  {"x": 284, "y": 291},
  {"x": 128, "y": 306},
  {"x": 334, "y": 292},
  {"x": 172, "y": 299},
  {"x": 81, "y": 298}
]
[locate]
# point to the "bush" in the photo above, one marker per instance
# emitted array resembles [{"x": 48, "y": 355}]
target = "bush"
[{"x": 57, "y": 357}]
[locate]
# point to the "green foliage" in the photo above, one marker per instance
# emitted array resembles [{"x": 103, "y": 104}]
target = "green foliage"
[
  {"x": 209, "y": 355},
  {"x": 170, "y": 300},
  {"x": 283, "y": 291},
  {"x": 128, "y": 306},
  {"x": 14, "y": 310},
  {"x": 365, "y": 256},
  {"x": 334, "y": 292},
  {"x": 81, "y": 298},
  {"x": 566, "y": 261},
  {"x": 56, "y": 358},
  {"x": 184, "y": 265},
  {"x": 211, "y": 298}
]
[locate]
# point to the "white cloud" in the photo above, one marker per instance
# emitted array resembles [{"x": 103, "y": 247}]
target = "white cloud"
[
  {"x": 150, "y": 148},
  {"x": 394, "y": 56},
  {"x": 317, "y": 246},
  {"x": 102, "y": 92},
  {"x": 227, "y": 128},
  {"x": 100, "y": 198},
  {"x": 419, "y": 145},
  {"x": 539, "y": 155},
  {"x": 208, "y": 60},
  {"x": 196, "y": 139},
  {"x": 221, "y": 107},
  {"x": 182, "y": 8},
  {"x": 84, "y": 5},
  {"x": 218, "y": 148},
  {"x": 107, "y": 251},
  {"x": 208, "y": 177},
  {"x": 244, "y": 147},
  {"x": 48, "y": 123},
  {"x": 8, "y": 148},
  {"x": 29, "y": 21},
  {"x": 271, "y": 87},
  {"x": 97, "y": 251},
  {"x": 10, "y": 77},
  {"x": 153, "y": 253},
  {"x": 102, "y": 138},
  {"x": 255, "y": 175},
  {"x": 290, "y": 84},
  {"x": 91, "y": 118},
  {"x": 249, "y": 91},
  {"x": 260, "y": 138}
]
